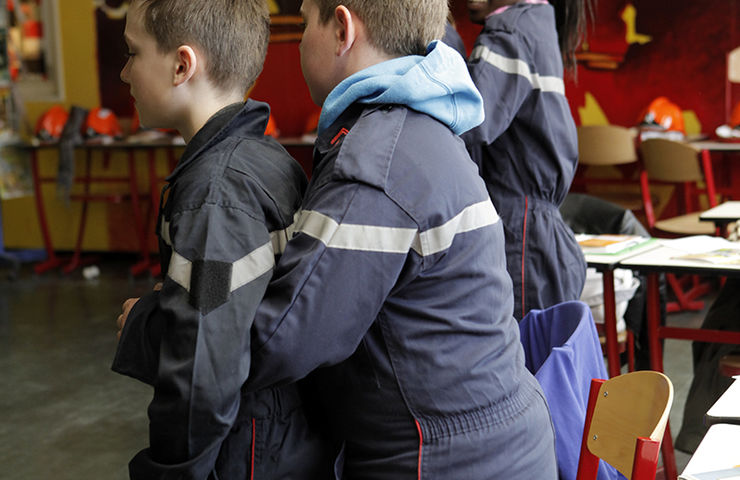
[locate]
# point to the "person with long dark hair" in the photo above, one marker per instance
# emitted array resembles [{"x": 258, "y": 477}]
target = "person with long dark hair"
[{"x": 526, "y": 149}]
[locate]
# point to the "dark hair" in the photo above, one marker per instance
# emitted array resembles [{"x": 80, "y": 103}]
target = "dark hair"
[
  {"x": 571, "y": 17},
  {"x": 232, "y": 34}
]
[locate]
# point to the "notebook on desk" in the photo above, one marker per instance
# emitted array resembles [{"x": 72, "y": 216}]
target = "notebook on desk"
[{"x": 609, "y": 244}]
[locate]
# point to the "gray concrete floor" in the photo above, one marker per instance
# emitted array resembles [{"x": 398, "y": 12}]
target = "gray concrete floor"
[{"x": 65, "y": 415}]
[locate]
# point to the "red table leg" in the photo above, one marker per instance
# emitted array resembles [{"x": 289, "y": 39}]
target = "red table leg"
[
  {"x": 610, "y": 325},
  {"x": 51, "y": 259},
  {"x": 141, "y": 227},
  {"x": 656, "y": 363}
]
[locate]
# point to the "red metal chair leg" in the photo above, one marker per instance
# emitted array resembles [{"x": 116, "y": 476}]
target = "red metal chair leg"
[
  {"x": 669, "y": 455},
  {"x": 685, "y": 299},
  {"x": 646, "y": 459}
]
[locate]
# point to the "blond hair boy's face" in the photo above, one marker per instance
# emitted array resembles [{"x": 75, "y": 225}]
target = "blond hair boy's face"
[
  {"x": 317, "y": 53},
  {"x": 148, "y": 72}
]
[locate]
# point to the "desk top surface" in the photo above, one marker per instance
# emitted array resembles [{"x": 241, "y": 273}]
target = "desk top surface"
[
  {"x": 717, "y": 451},
  {"x": 727, "y": 406},
  {"x": 726, "y": 211},
  {"x": 664, "y": 259},
  {"x": 717, "y": 146}
]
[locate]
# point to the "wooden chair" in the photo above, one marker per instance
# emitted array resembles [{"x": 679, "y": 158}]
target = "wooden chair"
[
  {"x": 624, "y": 426},
  {"x": 689, "y": 170},
  {"x": 601, "y": 148}
]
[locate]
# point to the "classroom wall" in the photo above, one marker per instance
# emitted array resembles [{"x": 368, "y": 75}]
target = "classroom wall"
[
  {"x": 683, "y": 58},
  {"x": 20, "y": 224},
  {"x": 673, "y": 48}
]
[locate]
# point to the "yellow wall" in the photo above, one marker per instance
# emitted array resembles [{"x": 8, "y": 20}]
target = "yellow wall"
[{"x": 20, "y": 222}]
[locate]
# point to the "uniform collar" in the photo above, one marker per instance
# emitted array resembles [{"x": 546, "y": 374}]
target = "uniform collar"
[{"x": 248, "y": 118}]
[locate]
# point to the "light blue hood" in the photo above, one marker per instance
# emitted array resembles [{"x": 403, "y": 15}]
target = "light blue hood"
[{"x": 437, "y": 84}]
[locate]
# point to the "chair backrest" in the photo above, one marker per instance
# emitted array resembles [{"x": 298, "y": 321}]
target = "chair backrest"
[
  {"x": 671, "y": 161},
  {"x": 625, "y": 422},
  {"x": 605, "y": 145}
]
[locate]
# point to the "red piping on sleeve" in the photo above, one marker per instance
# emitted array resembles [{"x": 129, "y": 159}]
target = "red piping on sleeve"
[
  {"x": 254, "y": 430},
  {"x": 524, "y": 245},
  {"x": 421, "y": 442}
]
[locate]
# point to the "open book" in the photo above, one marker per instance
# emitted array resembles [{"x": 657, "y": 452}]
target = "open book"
[{"x": 608, "y": 243}]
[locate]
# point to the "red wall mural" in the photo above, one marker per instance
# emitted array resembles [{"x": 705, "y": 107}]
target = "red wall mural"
[{"x": 682, "y": 56}]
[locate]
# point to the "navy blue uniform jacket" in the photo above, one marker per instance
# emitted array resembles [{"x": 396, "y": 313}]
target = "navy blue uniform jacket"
[
  {"x": 229, "y": 202},
  {"x": 394, "y": 284},
  {"x": 527, "y": 151}
]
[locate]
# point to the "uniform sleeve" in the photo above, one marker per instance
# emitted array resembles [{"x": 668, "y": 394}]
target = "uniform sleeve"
[
  {"x": 137, "y": 353},
  {"x": 221, "y": 263},
  {"x": 350, "y": 249},
  {"x": 500, "y": 68}
]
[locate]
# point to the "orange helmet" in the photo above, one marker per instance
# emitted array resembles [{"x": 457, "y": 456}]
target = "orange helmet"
[
  {"x": 663, "y": 115},
  {"x": 51, "y": 123},
  {"x": 735, "y": 117},
  {"x": 101, "y": 121}
]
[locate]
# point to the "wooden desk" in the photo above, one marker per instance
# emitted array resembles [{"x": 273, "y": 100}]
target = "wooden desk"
[
  {"x": 726, "y": 173},
  {"x": 722, "y": 214},
  {"x": 605, "y": 264},
  {"x": 717, "y": 146},
  {"x": 661, "y": 260},
  {"x": 653, "y": 263},
  {"x": 141, "y": 224}
]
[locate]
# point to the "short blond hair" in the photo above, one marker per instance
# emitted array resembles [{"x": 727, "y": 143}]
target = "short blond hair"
[
  {"x": 232, "y": 35},
  {"x": 397, "y": 27}
]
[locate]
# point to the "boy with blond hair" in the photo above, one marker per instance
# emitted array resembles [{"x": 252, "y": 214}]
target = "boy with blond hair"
[
  {"x": 228, "y": 203},
  {"x": 393, "y": 295}
]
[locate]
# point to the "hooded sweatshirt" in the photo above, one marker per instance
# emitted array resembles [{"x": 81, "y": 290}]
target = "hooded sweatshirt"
[
  {"x": 437, "y": 84},
  {"x": 392, "y": 292}
]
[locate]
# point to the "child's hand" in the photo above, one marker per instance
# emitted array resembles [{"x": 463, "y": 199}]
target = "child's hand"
[
  {"x": 158, "y": 286},
  {"x": 125, "y": 309}
]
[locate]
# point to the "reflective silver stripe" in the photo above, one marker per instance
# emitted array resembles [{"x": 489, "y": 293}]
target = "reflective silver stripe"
[
  {"x": 279, "y": 238},
  {"x": 249, "y": 267},
  {"x": 440, "y": 238},
  {"x": 355, "y": 237},
  {"x": 180, "y": 269},
  {"x": 165, "y": 233},
  {"x": 258, "y": 262},
  {"x": 393, "y": 239},
  {"x": 518, "y": 67}
]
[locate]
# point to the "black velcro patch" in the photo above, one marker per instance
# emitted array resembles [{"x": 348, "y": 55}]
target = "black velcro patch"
[{"x": 210, "y": 284}]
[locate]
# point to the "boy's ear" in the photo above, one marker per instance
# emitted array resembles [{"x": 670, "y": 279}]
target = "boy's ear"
[
  {"x": 186, "y": 63},
  {"x": 345, "y": 33}
]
